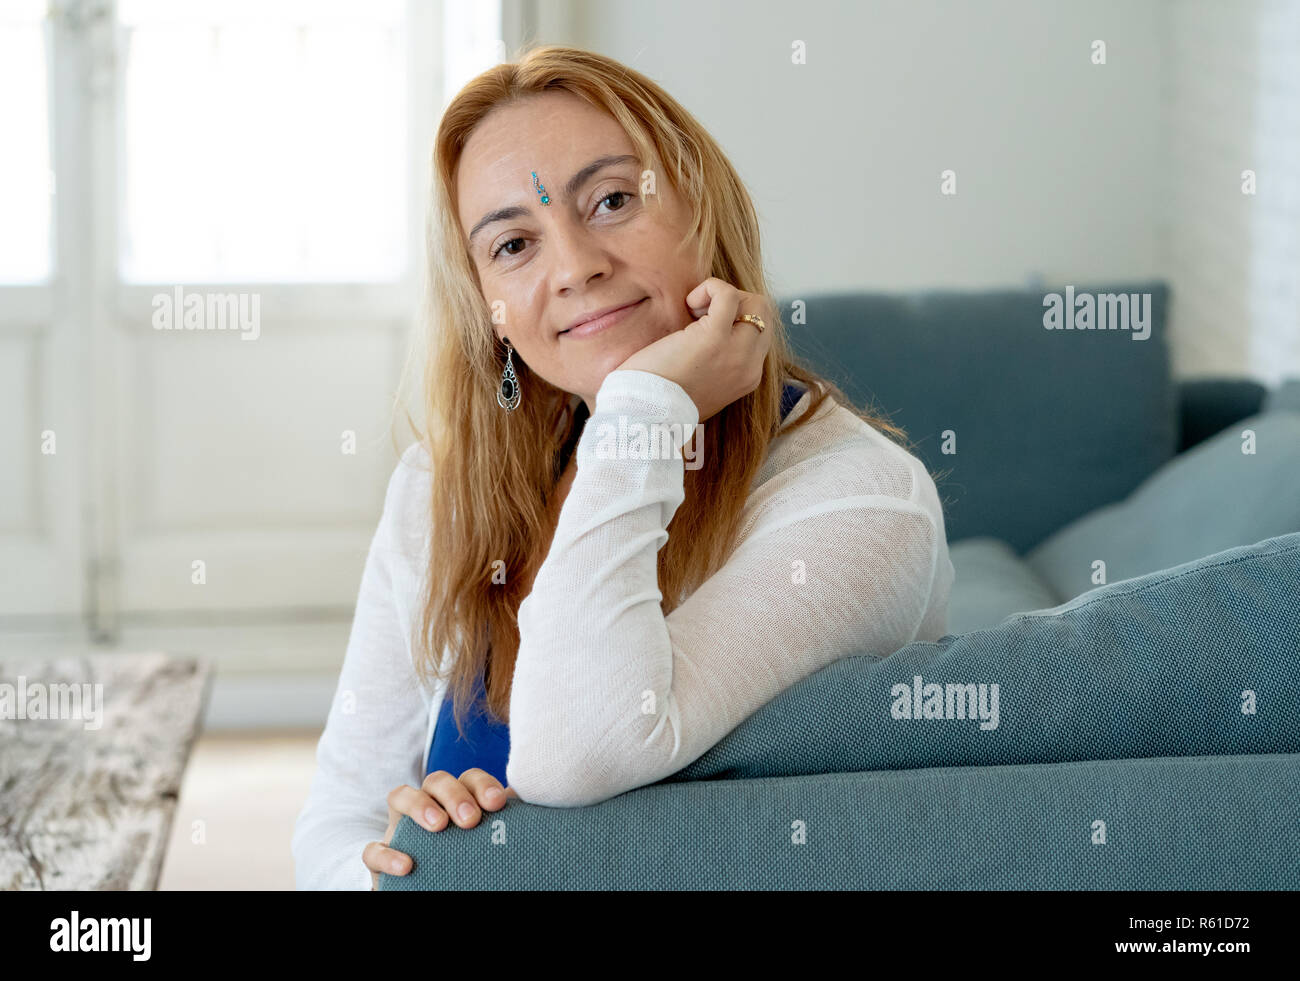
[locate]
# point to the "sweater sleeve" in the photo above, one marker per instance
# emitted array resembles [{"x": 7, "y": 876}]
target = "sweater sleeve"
[
  {"x": 373, "y": 735},
  {"x": 608, "y": 694}
]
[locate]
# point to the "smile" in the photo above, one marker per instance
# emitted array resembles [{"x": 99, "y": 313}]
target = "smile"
[{"x": 604, "y": 322}]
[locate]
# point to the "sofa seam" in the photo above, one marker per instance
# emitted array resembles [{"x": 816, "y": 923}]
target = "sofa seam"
[
  {"x": 938, "y": 645},
  {"x": 1137, "y": 589}
]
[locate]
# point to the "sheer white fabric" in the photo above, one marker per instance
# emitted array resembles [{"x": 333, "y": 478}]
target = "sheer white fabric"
[{"x": 842, "y": 551}]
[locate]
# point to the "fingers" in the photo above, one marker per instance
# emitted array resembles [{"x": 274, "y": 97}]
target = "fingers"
[
  {"x": 487, "y": 789},
  {"x": 439, "y": 796},
  {"x": 380, "y": 858},
  {"x": 419, "y": 806},
  {"x": 697, "y": 300},
  {"x": 735, "y": 352},
  {"x": 454, "y": 797},
  {"x": 715, "y": 302},
  {"x": 442, "y": 799}
]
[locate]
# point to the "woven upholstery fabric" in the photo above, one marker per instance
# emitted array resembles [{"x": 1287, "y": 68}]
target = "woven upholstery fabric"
[
  {"x": 1210, "y": 405},
  {"x": 1152, "y": 666},
  {"x": 1124, "y": 705},
  {"x": 992, "y": 582},
  {"x": 1284, "y": 398},
  {"x": 1211, "y": 498},
  {"x": 1035, "y": 445},
  {"x": 1224, "y": 822}
]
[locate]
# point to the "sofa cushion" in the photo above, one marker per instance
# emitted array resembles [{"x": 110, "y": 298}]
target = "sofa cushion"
[
  {"x": 1284, "y": 398},
  {"x": 1210, "y": 405},
  {"x": 1200, "y": 822},
  {"x": 991, "y": 583},
  {"x": 1048, "y": 424},
  {"x": 1208, "y": 499},
  {"x": 1167, "y": 664},
  {"x": 1150, "y": 668}
]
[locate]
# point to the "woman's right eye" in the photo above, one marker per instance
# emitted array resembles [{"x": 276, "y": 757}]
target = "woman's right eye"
[{"x": 497, "y": 250}]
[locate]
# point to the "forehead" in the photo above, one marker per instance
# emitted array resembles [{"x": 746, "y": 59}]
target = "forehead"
[{"x": 554, "y": 134}]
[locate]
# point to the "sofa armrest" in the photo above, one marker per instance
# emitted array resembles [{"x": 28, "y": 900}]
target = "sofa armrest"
[
  {"x": 1200, "y": 659},
  {"x": 1204, "y": 822},
  {"x": 1118, "y": 707},
  {"x": 1210, "y": 405}
]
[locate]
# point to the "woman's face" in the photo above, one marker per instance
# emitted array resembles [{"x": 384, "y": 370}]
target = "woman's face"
[{"x": 595, "y": 246}]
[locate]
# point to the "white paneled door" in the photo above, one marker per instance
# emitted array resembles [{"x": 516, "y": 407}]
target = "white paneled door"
[
  {"x": 43, "y": 556},
  {"x": 211, "y": 223}
]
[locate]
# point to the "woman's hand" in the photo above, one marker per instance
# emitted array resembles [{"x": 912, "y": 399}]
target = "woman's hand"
[
  {"x": 716, "y": 360},
  {"x": 438, "y": 800}
]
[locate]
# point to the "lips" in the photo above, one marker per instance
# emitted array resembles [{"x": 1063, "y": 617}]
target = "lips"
[{"x": 599, "y": 319}]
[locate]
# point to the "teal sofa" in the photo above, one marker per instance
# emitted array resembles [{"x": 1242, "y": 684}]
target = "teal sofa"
[{"x": 1116, "y": 703}]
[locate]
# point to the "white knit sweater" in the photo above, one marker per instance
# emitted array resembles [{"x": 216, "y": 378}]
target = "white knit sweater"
[{"x": 841, "y": 551}]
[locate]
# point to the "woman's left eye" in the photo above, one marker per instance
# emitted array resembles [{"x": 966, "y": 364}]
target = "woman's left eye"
[
  {"x": 616, "y": 194},
  {"x": 623, "y": 197}
]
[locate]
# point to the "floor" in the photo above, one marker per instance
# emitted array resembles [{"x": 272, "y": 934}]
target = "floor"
[{"x": 234, "y": 820}]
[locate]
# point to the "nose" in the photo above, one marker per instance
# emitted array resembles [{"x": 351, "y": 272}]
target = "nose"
[{"x": 577, "y": 256}]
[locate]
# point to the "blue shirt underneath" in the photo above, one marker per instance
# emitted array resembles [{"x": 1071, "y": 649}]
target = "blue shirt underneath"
[{"x": 486, "y": 742}]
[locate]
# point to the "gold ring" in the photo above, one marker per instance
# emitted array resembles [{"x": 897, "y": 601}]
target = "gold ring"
[{"x": 751, "y": 318}]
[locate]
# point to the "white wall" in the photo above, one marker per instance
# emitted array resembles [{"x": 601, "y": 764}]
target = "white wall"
[
  {"x": 1232, "y": 101},
  {"x": 1056, "y": 160},
  {"x": 1068, "y": 171}
]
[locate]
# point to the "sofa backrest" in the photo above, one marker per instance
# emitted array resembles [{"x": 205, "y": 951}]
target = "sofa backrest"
[
  {"x": 1047, "y": 424},
  {"x": 1196, "y": 660}
]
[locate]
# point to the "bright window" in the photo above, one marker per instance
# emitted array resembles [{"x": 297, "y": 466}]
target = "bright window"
[
  {"x": 265, "y": 140},
  {"x": 477, "y": 29},
  {"x": 26, "y": 181}
]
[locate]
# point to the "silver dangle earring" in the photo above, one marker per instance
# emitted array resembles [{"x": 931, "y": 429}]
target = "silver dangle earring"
[{"x": 508, "y": 393}]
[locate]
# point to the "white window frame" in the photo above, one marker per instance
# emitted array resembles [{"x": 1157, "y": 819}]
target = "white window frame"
[{"x": 85, "y": 301}]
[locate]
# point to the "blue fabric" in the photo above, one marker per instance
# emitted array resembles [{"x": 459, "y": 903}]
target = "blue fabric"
[
  {"x": 1284, "y": 398},
  {"x": 1210, "y": 405},
  {"x": 1146, "y": 667},
  {"x": 1211, "y": 498},
  {"x": 1197, "y": 822},
  {"x": 789, "y": 396},
  {"x": 486, "y": 741},
  {"x": 1023, "y": 428},
  {"x": 992, "y": 582},
  {"x": 1163, "y": 707}
]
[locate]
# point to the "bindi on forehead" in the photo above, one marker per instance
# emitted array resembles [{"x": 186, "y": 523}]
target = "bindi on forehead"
[
  {"x": 572, "y": 187},
  {"x": 541, "y": 189}
]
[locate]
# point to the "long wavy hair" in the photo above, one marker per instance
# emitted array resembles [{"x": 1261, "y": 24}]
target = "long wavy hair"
[{"x": 495, "y": 473}]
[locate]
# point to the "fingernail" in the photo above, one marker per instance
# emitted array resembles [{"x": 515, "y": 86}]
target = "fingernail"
[
  {"x": 431, "y": 818},
  {"x": 493, "y": 795},
  {"x": 466, "y": 811}
]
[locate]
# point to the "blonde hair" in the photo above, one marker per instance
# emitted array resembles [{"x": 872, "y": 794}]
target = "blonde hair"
[{"x": 497, "y": 472}]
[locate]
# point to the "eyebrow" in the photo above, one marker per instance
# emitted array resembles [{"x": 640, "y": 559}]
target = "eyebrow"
[{"x": 570, "y": 189}]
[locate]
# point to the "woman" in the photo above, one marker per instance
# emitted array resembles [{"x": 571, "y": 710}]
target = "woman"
[{"x": 606, "y": 606}]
